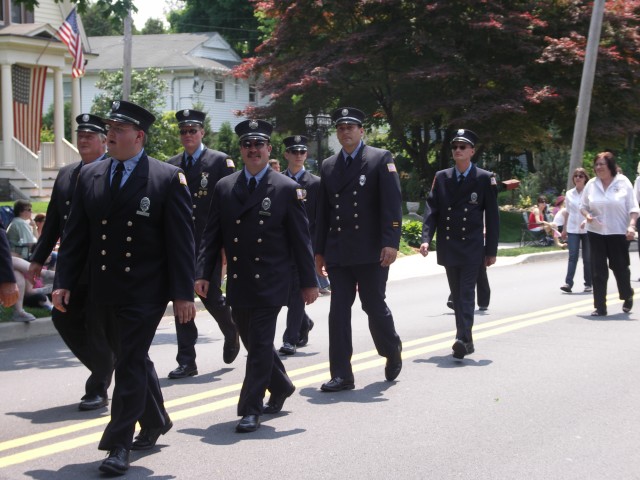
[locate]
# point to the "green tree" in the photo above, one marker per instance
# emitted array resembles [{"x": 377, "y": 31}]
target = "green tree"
[
  {"x": 233, "y": 19},
  {"x": 98, "y": 21},
  {"x": 119, "y": 8},
  {"x": 47, "y": 120},
  {"x": 153, "y": 26},
  {"x": 147, "y": 90},
  {"x": 226, "y": 141}
]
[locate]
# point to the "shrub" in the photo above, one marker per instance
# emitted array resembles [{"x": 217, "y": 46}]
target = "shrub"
[{"x": 412, "y": 233}]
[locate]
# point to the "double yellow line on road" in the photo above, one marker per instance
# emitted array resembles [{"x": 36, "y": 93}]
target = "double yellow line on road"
[{"x": 313, "y": 374}]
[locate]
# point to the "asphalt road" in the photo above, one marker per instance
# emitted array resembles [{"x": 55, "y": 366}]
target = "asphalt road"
[{"x": 550, "y": 393}]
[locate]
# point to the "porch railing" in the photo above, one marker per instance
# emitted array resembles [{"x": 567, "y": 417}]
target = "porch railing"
[
  {"x": 48, "y": 154},
  {"x": 27, "y": 164}
]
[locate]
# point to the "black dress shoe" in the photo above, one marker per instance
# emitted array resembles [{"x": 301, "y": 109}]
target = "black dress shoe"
[
  {"x": 460, "y": 349},
  {"x": 394, "y": 365},
  {"x": 287, "y": 349},
  {"x": 117, "y": 463},
  {"x": 304, "y": 335},
  {"x": 483, "y": 309},
  {"x": 450, "y": 304},
  {"x": 627, "y": 305},
  {"x": 148, "y": 437},
  {"x": 231, "y": 348},
  {"x": 336, "y": 384},
  {"x": 248, "y": 423},
  {"x": 276, "y": 401},
  {"x": 184, "y": 371},
  {"x": 93, "y": 402}
]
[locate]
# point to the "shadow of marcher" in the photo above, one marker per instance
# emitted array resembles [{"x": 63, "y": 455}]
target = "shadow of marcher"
[
  {"x": 372, "y": 393},
  {"x": 84, "y": 471},
  {"x": 200, "y": 379},
  {"x": 616, "y": 317},
  {"x": 225, "y": 433},
  {"x": 61, "y": 413},
  {"x": 447, "y": 361}
]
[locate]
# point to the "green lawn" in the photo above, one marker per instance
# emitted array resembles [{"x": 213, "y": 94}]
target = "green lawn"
[
  {"x": 37, "y": 207},
  {"x": 6, "y": 313}
]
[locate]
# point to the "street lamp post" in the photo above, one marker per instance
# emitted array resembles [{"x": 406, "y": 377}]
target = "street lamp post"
[{"x": 321, "y": 122}]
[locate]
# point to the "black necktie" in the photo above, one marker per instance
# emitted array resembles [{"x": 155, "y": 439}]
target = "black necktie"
[
  {"x": 117, "y": 180},
  {"x": 187, "y": 164},
  {"x": 460, "y": 180},
  {"x": 347, "y": 161},
  {"x": 252, "y": 184}
]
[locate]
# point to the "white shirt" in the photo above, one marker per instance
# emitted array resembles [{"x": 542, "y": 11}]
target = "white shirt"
[
  {"x": 610, "y": 209},
  {"x": 636, "y": 187},
  {"x": 572, "y": 201},
  {"x": 558, "y": 219}
]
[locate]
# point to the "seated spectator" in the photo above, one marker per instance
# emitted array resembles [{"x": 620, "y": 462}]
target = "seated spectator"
[
  {"x": 20, "y": 232},
  {"x": 39, "y": 221},
  {"x": 538, "y": 222},
  {"x": 557, "y": 206},
  {"x": 28, "y": 291}
]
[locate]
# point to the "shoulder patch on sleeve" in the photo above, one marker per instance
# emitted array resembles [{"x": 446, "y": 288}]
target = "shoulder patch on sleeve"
[
  {"x": 391, "y": 167},
  {"x": 493, "y": 180},
  {"x": 230, "y": 163},
  {"x": 182, "y": 178}
]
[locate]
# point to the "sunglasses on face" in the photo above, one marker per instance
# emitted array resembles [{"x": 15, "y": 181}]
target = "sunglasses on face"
[
  {"x": 298, "y": 151},
  {"x": 459, "y": 147},
  {"x": 190, "y": 131},
  {"x": 579, "y": 175},
  {"x": 256, "y": 144}
]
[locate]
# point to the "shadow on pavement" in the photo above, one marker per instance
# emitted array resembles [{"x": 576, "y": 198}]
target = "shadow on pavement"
[
  {"x": 225, "y": 433},
  {"x": 448, "y": 361},
  {"x": 371, "y": 393}
]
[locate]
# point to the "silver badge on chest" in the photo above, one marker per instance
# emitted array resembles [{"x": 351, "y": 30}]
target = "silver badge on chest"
[
  {"x": 362, "y": 180},
  {"x": 204, "y": 181},
  {"x": 266, "y": 205},
  {"x": 145, "y": 203},
  {"x": 474, "y": 198}
]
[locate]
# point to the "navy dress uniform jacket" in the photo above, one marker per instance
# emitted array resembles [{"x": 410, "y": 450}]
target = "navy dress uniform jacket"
[
  {"x": 461, "y": 214},
  {"x": 263, "y": 233},
  {"x": 348, "y": 230},
  {"x": 141, "y": 247},
  {"x": 310, "y": 184},
  {"x": 202, "y": 179}
]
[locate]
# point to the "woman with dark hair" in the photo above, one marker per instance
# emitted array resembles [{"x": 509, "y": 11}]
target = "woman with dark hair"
[
  {"x": 610, "y": 206},
  {"x": 20, "y": 231},
  {"x": 538, "y": 221},
  {"x": 575, "y": 233}
]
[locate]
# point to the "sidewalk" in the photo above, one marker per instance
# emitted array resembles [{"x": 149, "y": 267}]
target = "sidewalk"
[{"x": 411, "y": 266}]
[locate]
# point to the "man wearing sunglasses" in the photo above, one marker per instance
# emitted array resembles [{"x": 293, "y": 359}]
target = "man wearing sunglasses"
[
  {"x": 462, "y": 204},
  {"x": 358, "y": 228},
  {"x": 203, "y": 168},
  {"x": 258, "y": 217},
  {"x": 298, "y": 322}
]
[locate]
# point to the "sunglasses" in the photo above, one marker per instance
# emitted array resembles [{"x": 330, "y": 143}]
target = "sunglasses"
[
  {"x": 297, "y": 151},
  {"x": 459, "y": 147},
  {"x": 190, "y": 131},
  {"x": 579, "y": 175},
  {"x": 256, "y": 144}
]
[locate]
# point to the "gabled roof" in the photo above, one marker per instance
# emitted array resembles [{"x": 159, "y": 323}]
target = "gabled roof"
[
  {"x": 31, "y": 30},
  {"x": 183, "y": 51}
]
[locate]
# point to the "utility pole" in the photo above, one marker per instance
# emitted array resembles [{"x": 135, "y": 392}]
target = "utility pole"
[
  {"x": 586, "y": 88},
  {"x": 126, "y": 67}
]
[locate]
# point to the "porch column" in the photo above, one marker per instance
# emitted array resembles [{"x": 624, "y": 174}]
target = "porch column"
[
  {"x": 7, "y": 116},
  {"x": 58, "y": 116},
  {"x": 76, "y": 107}
]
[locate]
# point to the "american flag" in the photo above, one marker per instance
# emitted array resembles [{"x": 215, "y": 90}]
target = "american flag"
[
  {"x": 28, "y": 94},
  {"x": 70, "y": 36}
]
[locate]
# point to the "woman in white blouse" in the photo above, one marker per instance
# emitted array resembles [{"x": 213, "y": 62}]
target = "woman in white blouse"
[
  {"x": 610, "y": 206},
  {"x": 574, "y": 232}
]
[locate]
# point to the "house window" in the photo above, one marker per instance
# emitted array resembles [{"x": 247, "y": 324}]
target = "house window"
[
  {"x": 19, "y": 13},
  {"x": 253, "y": 93},
  {"x": 219, "y": 91}
]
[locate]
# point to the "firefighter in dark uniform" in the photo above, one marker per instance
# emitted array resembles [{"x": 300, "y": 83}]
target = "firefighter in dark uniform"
[
  {"x": 298, "y": 322},
  {"x": 461, "y": 206},
  {"x": 203, "y": 168},
  {"x": 258, "y": 217},
  {"x": 358, "y": 229},
  {"x": 85, "y": 340},
  {"x": 130, "y": 220}
]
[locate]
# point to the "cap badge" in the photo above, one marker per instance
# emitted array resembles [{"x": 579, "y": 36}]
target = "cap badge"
[
  {"x": 266, "y": 203},
  {"x": 145, "y": 203},
  {"x": 253, "y": 124},
  {"x": 85, "y": 118},
  {"x": 186, "y": 113},
  {"x": 460, "y": 132},
  {"x": 115, "y": 106},
  {"x": 297, "y": 138},
  {"x": 345, "y": 112},
  {"x": 362, "y": 180}
]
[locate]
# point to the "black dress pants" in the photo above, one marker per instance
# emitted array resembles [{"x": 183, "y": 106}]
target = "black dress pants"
[
  {"x": 609, "y": 252},
  {"x": 370, "y": 281},
  {"x": 86, "y": 339},
  {"x": 264, "y": 371},
  {"x": 297, "y": 318},
  {"x": 137, "y": 396},
  {"x": 462, "y": 284}
]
